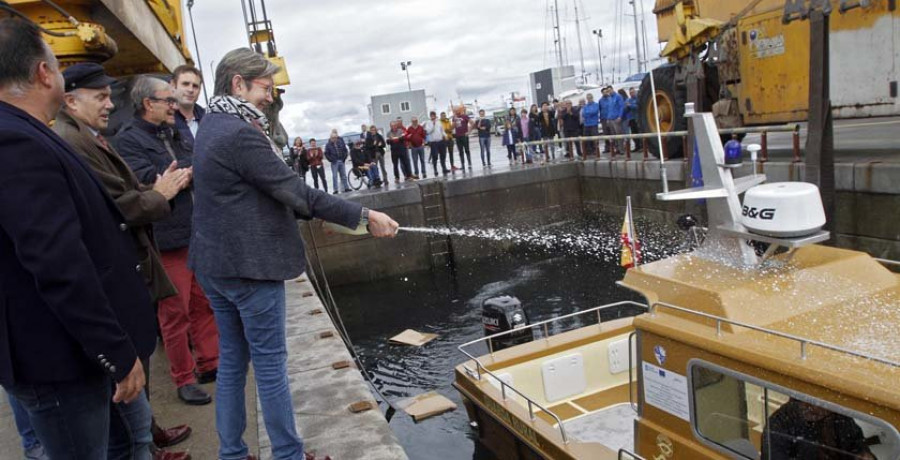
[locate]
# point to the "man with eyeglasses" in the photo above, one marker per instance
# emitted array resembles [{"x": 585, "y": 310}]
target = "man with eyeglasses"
[{"x": 150, "y": 145}]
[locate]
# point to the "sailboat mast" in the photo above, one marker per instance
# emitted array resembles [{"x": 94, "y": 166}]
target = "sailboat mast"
[
  {"x": 637, "y": 37},
  {"x": 580, "y": 47},
  {"x": 557, "y": 41}
]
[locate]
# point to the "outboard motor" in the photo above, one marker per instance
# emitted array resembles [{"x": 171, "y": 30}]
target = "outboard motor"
[{"x": 504, "y": 313}]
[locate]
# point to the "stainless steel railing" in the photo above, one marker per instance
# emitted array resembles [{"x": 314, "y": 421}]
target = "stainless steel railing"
[
  {"x": 625, "y": 454},
  {"x": 544, "y": 325},
  {"x": 763, "y": 131},
  {"x": 804, "y": 343}
]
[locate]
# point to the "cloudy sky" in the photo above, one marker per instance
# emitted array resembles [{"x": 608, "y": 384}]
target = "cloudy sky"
[{"x": 339, "y": 53}]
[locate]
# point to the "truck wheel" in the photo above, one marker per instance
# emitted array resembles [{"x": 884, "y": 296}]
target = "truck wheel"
[{"x": 670, "y": 100}]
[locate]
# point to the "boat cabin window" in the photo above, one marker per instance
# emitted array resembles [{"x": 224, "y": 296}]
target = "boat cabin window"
[{"x": 745, "y": 417}]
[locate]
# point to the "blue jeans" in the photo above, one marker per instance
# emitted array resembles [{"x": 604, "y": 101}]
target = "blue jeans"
[
  {"x": 23, "y": 424},
  {"x": 373, "y": 174},
  {"x": 484, "y": 143},
  {"x": 71, "y": 419},
  {"x": 250, "y": 316},
  {"x": 418, "y": 156},
  {"x": 129, "y": 430},
  {"x": 339, "y": 169}
]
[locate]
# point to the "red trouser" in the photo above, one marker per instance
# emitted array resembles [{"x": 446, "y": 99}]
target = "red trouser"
[{"x": 186, "y": 320}]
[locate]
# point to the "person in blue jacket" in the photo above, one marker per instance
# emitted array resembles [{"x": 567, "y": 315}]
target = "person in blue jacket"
[
  {"x": 612, "y": 108},
  {"x": 590, "y": 116}
]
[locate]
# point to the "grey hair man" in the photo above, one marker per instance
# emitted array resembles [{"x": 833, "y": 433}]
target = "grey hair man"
[
  {"x": 245, "y": 243},
  {"x": 150, "y": 145}
]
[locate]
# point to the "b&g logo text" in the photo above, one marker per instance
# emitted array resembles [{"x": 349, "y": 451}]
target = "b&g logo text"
[{"x": 764, "y": 214}]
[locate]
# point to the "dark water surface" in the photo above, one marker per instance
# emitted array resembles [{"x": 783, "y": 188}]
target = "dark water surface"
[{"x": 449, "y": 304}]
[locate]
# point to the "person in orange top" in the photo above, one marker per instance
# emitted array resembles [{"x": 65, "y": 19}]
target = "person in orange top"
[{"x": 314, "y": 155}]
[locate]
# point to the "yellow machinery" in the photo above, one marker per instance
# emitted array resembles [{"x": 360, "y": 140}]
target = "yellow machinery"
[
  {"x": 756, "y": 63},
  {"x": 129, "y": 37},
  {"x": 134, "y": 37}
]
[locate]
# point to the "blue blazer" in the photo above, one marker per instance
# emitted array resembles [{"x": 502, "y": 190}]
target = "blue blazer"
[
  {"x": 246, "y": 203},
  {"x": 73, "y": 304}
]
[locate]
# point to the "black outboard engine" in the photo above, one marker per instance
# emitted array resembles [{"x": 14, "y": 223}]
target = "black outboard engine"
[{"x": 504, "y": 313}]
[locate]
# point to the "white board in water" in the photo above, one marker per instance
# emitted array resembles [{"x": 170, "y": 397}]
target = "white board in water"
[{"x": 563, "y": 377}]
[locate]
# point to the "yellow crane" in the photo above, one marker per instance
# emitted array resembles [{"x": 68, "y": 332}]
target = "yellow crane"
[
  {"x": 754, "y": 60},
  {"x": 134, "y": 37}
]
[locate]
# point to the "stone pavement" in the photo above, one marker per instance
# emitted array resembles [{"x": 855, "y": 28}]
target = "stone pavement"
[{"x": 321, "y": 394}]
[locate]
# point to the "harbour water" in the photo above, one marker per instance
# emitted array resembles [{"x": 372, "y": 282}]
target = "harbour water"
[{"x": 549, "y": 280}]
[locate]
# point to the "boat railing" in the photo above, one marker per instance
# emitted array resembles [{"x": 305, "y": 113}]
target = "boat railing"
[
  {"x": 481, "y": 369},
  {"x": 625, "y": 454},
  {"x": 804, "y": 343},
  {"x": 888, "y": 263}
]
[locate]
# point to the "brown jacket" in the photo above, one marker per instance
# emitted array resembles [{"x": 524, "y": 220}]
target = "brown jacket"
[{"x": 138, "y": 203}]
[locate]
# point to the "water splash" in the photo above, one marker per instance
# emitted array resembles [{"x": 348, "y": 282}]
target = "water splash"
[{"x": 602, "y": 242}]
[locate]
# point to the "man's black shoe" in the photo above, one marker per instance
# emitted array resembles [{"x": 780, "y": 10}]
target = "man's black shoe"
[
  {"x": 207, "y": 377},
  {"x": 193, "y": 395}
]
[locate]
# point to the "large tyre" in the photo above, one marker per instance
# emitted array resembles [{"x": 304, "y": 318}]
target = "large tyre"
[{"x": 670, "y": 98}]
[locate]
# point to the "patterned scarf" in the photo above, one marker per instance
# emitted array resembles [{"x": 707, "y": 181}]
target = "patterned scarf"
[{"x": 241, "y": 109}]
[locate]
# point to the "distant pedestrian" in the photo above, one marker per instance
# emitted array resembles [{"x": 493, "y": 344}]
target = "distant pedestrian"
[
  {"x": 365, "y": 164},
  {"x": 461, "y": 134},
  {"x": 534, "y": 118},
  {"x": 525, "y": 125},
  {"x": 590, "y": 116},
  {"x": 548, "y": 128},
  {"x": 434, "y": 131},
  {"x": 315, "y": 155},
  {"x": 336, "y": 154},
  {"x": 631, "y": 117},
  {"x": 375, "y": 145},
  {"x": 612, "y": 106},
  {"x": 512, "y": 135},
  {"x": 448, "y": 138},
  {"x": 484, "y": 138},
  {"x": 571, "y": 129},
  {"x": 364, "y": 131},
  {"x": 397, "y": 139},
  {"x": 299, "y": 161},
  {"x": 415, "y": 133}
]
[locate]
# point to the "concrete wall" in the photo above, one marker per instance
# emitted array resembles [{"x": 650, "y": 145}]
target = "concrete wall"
[{"x": 545, "y": 195}]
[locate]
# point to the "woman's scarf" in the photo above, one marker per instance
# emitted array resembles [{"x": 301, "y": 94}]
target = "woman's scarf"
[
  {"x": 245, "y": 111},
  {"x": 241, "y": 109}
]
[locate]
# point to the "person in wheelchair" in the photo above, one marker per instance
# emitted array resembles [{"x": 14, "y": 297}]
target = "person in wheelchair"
[{"x": 364, "y": 165}]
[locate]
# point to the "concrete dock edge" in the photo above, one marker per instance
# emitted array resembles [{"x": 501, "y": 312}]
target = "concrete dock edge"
[{"x": 321, "y": 394}]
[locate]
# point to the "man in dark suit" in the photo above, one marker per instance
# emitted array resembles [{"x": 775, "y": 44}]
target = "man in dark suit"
[
  {"x": 85, "y": 114},
  {"x": 75, "y": 315}
]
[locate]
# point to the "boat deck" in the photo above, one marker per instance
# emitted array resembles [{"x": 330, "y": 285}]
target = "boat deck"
[{"x": 613, "y": 427}]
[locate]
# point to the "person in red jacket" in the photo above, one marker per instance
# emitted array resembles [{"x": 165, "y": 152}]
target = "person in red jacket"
[
  {"x": 314, "y": 155},
  {"x": 415, "y": 134}
]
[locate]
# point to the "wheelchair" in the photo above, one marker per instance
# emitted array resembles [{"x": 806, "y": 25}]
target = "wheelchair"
[{"x": 358, "y": 176}]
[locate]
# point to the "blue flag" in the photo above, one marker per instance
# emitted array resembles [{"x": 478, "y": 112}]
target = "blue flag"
[{"x": 697, "y": 171}]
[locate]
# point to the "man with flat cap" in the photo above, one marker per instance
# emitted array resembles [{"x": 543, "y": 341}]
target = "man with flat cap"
[
  {"x": 84, "y": 114},
  {"x": 75, "y": 314}
]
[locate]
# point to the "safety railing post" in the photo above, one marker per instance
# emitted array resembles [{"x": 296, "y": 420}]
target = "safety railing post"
[
  {"x": 645, "y": 148},
  {"x": 663, "y": 150},
  {"x": 628, "y": 149},
  {"x": 796, "y": 144},
  {"x": 684, "y": 148},
  {"x": 764, "y": 150}
]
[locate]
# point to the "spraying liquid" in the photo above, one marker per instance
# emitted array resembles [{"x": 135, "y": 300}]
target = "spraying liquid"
[{"x": 599, "y": 243}]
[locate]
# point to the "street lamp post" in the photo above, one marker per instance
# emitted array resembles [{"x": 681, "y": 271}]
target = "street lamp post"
[
  {"x": 405, "y": 67},
  {"x": 599, "y": 34}
]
